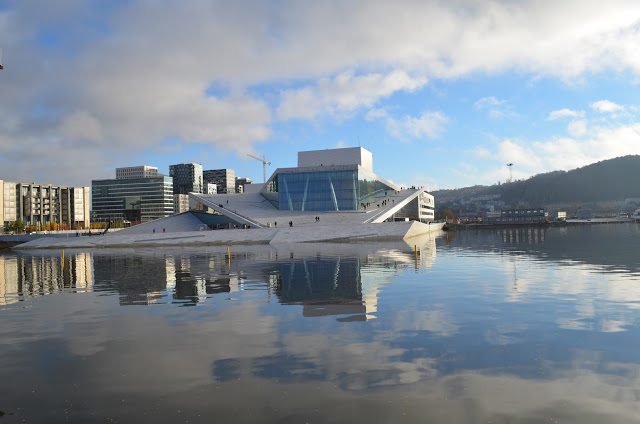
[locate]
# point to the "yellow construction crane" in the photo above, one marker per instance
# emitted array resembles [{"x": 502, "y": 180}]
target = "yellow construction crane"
[{"x": 264, "y": 166}]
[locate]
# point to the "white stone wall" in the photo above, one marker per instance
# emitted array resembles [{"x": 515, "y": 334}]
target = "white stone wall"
[{"x": 328, "y": 157}]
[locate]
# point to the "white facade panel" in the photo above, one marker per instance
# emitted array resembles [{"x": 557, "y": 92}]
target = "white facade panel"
[
  {"x": 328, "y": 157},
  {"x": 9, "y": 204},
  {"x": 78, "y": 204}
]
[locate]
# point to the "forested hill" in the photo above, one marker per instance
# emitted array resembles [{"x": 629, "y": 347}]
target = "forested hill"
[{"x": 608, "y": 180}]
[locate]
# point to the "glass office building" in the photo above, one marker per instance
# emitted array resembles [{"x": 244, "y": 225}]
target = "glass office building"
[
  {"x": 187, "y": 178},
  {"x": 320, "y": 190},
  {"x": 135, "y": 200}
]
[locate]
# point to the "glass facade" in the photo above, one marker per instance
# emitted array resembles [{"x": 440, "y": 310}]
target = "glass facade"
[
  {"x": 143, "y": 199},
  {"x": 325, "y": 190}
]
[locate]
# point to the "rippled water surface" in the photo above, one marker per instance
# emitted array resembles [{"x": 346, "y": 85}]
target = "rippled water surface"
[{"x": 501, "y": 326}]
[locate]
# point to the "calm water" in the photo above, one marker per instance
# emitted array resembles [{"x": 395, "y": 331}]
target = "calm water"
[{"x": 501, "y": 326}]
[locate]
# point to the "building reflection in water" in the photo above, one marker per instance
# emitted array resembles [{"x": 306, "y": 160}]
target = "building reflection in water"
[
  {"x": 324, "y": 279},
  {"x": 143, "y": 280},
  {"x": 525, "y": 235},
  {"x": 24, "y": 276},
  {"x": 323, "y": 286}
]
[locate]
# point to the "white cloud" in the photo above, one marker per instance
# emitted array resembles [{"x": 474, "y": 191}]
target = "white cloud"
[
  {"x": 344, "y": 93},
  {"x": 82, "y": 126},
  {"x": 140, "y": 74},
  {"x": 374, "y": 114},
  {"x": 481, "y": 153},
  {"x": 488, "y": 103},
  {"x": 606, "y": 106},
  {"x": 565, "y": 113},
  {"x": 577, "y": 128},
  {"x": 429, "y": 124},
  {"x": 561, "y": 153},
  {"x": 496, "y": 108}
]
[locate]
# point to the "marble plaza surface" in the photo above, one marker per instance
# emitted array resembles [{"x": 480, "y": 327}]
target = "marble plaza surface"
[{"x": 170, "y": 234}]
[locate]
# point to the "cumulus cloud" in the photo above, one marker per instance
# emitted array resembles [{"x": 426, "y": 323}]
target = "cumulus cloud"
[
  {"x": 131, "y": 74},
  {"x": 577, "y": 128},
  {"x": 566, "y": 152},
  {"x": 565, "y": 113},
  {"x": 487, "y": 103},
  {"x": 344, "y": 93},
  {"x": 430, "y": 124},
  {"x": 606, "y": 106}
]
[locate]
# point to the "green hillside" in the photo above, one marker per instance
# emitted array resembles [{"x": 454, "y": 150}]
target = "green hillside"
[{"x": 606, "y": 181}]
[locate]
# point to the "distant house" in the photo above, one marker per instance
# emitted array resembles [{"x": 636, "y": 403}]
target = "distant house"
[{"x": 560, "y": 215}]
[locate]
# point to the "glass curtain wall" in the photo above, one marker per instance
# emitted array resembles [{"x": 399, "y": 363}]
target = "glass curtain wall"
[
  {"x": 143, "y": 199},
  {"x": 325, "y": 191}
]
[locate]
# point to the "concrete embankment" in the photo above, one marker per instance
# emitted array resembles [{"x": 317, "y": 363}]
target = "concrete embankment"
[{"x": 10, "y": 240}]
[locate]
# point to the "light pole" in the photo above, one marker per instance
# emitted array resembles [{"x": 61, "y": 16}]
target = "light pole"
[{"x": 510, "y": 172}]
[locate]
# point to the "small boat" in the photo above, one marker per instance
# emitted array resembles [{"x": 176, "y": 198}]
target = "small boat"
[
  {"x": 636, "y": 215},
  {"x": 445, "y": 227}
]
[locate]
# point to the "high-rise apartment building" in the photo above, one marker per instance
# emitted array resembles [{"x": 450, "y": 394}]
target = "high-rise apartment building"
[
  {"x": 187, "y": 178},
  {"x": 143, "y": 171},
  {"x": 44, "y": 206},
  {"x": 224, "y": 179},
  {"x": 135, "y": 200}
]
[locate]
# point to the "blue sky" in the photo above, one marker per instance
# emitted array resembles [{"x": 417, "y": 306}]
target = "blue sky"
[{"x": 444, "y": 94}]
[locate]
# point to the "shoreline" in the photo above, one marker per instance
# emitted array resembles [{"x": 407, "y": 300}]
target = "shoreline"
[{"x": 569, "y": 222}]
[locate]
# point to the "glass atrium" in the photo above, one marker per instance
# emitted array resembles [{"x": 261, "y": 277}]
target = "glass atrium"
[{"x": 337, "y": 190}]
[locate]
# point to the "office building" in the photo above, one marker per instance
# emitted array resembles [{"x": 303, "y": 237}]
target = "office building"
[
  {"x": 135, "y": 200},
  {"x": 224, "y": 179},
  {"x": 44, "y": 206},
  {"x": 187, "y": 178},
  {"x": 130, "y": 172}
]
